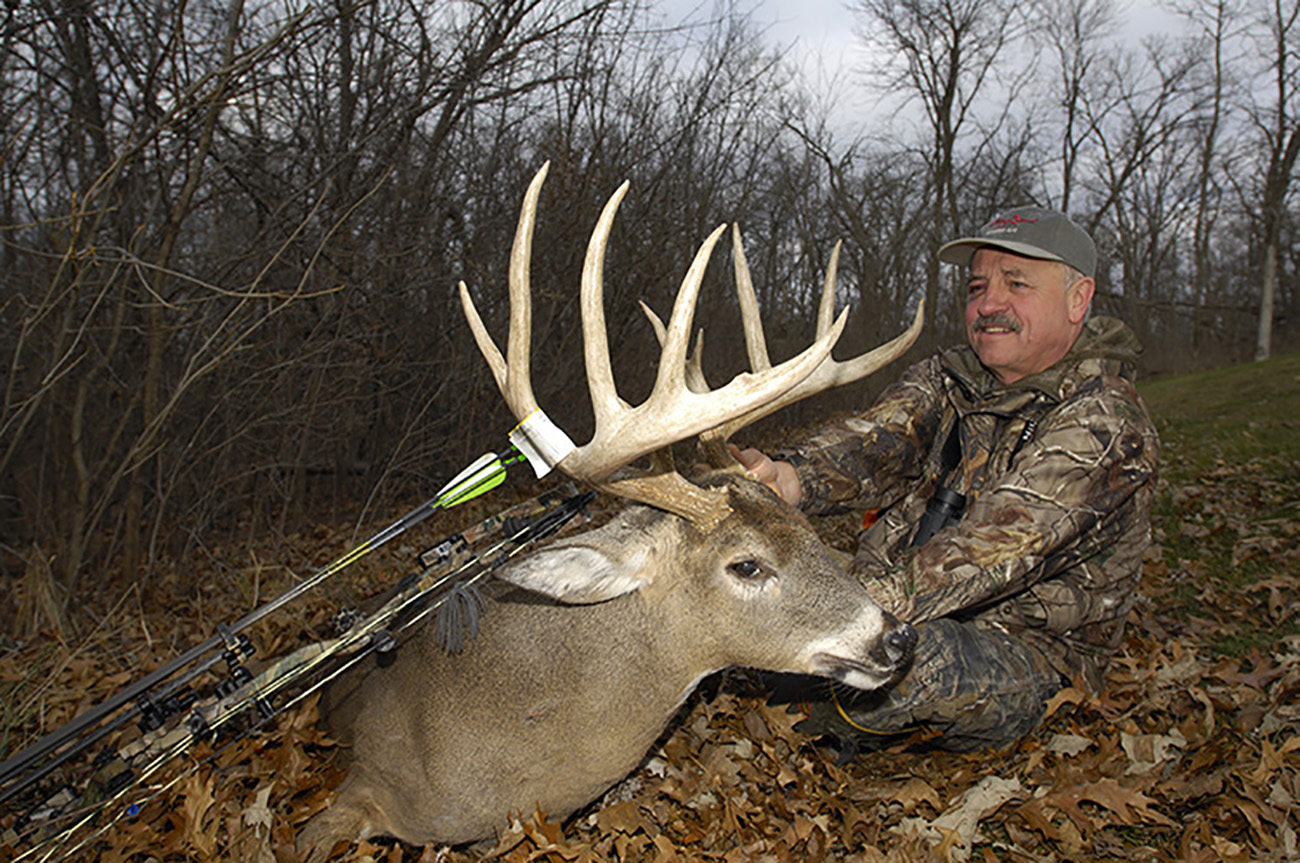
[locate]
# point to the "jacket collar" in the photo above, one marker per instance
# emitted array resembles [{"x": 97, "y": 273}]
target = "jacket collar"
[{"x": 1106, "y": 346}]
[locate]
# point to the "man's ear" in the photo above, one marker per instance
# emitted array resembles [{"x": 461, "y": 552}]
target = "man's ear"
[{"x": 1078, "y": 297}]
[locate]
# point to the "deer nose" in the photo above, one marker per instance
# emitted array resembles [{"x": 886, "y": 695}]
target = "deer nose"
[{"x": 899, "y": 644}]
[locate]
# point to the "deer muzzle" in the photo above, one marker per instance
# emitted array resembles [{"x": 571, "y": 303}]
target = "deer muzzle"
[{"x": 886, "y": 659}]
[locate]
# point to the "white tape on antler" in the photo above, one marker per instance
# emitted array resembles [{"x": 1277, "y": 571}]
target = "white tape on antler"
[{"x": 542, "y": 442}]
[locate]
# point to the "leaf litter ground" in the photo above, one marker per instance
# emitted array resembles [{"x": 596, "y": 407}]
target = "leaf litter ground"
[{"x": 1191, "y": 754}]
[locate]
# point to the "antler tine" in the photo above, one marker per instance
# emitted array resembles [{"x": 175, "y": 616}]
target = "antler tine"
[
  {"x": 695, "y": 380},
  {"x": 605, "y": 401},
  {"x": 826, "y": 308},
  {"x": 830, "y": 373},
  {"x": 751, "y": 322},
  {"x": 513, "y": 373},
  {"x": 519, "y": 348},
  {"x": 672, "y": 361}
]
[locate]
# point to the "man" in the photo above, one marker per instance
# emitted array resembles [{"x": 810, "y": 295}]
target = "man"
[{"x": 1008, "y": 489}]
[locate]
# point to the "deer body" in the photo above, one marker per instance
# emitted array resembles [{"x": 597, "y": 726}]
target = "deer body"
[
  {"x": 559, "y": 698},
  {"x": 573, "y": 677}
]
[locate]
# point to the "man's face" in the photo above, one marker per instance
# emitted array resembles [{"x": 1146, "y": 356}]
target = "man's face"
[{"x": 1020, "y": 316}]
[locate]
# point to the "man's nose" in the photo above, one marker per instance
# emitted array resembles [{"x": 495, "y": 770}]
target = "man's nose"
[{"x": 992, "y": 299}]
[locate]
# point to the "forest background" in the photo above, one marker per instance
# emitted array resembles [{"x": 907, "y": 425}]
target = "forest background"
[{"x": 232, "y": 232}]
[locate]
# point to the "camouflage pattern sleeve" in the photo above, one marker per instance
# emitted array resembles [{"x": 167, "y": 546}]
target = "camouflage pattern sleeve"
[
  {"x": 1068, "y": 505},
  {"x": 1058, "y": 473},
  {"x": 874, "y": 458}
]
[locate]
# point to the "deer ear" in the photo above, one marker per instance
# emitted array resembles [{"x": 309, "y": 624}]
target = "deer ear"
[{"x": 581, "y": 573}]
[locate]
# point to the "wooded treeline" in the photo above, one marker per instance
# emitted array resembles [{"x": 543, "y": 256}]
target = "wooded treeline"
[{"x": 233, "y": 231}]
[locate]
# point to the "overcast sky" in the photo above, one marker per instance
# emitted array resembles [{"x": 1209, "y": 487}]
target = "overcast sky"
[
  {"x": 818, "y": 21},
  {"x": 820, "y": 34},
  {"x": 827, "y": 25}
]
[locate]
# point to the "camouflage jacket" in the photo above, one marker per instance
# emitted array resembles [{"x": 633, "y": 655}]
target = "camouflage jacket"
[{"x": 1058, "y": 470}]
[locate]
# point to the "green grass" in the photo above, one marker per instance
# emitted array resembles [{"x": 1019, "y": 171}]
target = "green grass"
[
  {"x": 1227, "y": 514},
  {"x": 1229, "y": 414}
]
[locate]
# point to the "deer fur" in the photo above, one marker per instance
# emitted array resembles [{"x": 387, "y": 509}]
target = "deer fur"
[{"x": 578, "y": 668}]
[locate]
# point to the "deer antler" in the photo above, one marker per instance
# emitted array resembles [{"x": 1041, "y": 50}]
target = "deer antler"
[
  {"x": 671, "y": 413},
  {"x": 828, "y": 374}
]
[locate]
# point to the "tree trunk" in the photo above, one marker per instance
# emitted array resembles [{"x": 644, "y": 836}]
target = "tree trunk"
[{"x": 1264, "y": 334}]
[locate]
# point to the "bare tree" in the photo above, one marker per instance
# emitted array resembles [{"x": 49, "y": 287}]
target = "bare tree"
[
  {"x": 1215, "y": 23},
  {"x": 1078, "y": 35},
  {"x": 1136, "y": 116},
  {"x": 945, "y": 56},
  {"x": 107, "y": 289},
  {"x": 1276, "y": 122},
  {"x": 204, "y": 326}
]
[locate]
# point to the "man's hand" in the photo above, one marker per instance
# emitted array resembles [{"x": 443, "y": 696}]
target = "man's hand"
[{"x": 779, "y": 476}]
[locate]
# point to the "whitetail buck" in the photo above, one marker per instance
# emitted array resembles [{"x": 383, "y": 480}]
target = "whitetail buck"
[{"x": 572, "y": 678}]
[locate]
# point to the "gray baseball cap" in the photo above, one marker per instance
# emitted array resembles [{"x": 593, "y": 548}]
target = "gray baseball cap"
[{"x": 1033, "y": 232}]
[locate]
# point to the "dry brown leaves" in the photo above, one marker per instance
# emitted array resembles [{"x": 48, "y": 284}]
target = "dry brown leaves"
[{"x": 1188, "y": 756}]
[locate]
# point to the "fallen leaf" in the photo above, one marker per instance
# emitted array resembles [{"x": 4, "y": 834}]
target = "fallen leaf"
[
  {"x": 1270, "y": 760},
  {"x": 955, "y": 831},
  {"x": 1069, "y": 695},
  {"x": 1068, "y": 744},
  {"x": 199, "y": 830},
  {"x": 1126, "y": 805},
  {"x": 914, "y": 792},
  {"x": 1146, "y": 752}
]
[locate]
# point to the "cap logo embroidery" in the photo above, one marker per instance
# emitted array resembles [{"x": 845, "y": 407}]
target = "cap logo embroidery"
[{"x": 1005, "y": 222}]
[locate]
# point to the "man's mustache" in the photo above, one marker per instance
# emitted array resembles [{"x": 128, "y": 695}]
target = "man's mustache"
[{"x": 983, "y": 322}]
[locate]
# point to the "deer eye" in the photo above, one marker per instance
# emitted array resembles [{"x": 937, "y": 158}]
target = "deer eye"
[{"x": 746, "y": 570}]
